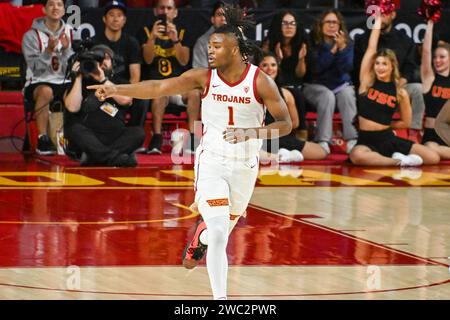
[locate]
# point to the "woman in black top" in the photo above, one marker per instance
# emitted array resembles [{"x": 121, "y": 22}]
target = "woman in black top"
[
  {"x": 435, "y": 71},
  {"x": 442, "y": 125},
  {"x": 309, "y": 150},
  {"x": 379, "y": 97},
  {"x": 287, "y": 39}
]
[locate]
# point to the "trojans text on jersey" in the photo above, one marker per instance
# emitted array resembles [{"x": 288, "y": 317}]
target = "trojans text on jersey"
[{"x": 231, "y": 99}]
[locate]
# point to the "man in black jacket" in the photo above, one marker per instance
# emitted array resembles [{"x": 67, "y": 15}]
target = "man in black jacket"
[{"x": 406, "y": 51}]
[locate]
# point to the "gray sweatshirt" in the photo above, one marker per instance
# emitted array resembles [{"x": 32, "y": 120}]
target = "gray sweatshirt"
[
  {"x": 200, "y": 53},
  {"x": 43, "y": 66}
]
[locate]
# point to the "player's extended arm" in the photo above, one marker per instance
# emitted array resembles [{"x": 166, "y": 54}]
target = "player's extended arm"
[{"x": 191, "y": 79}]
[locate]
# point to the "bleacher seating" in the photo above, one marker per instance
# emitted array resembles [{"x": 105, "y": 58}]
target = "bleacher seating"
[
  {"x": 12, "y": 112},
  {"x": 12, "y": 126},
  {"x": 12, "y": 70}
]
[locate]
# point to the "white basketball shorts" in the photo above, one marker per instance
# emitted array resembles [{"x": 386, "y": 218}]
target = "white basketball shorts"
[{"x": 223, "y": 186}]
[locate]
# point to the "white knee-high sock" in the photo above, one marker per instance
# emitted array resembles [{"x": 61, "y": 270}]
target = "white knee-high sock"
[
  {"x": 216, "y": 256},
  {"x": 233, "y": 221},
  {"x": 224, "y": 276}
]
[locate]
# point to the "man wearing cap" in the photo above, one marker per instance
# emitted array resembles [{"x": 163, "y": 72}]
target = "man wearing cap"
[
  {"x": 166, "y": 52},
  {"x": 128, "y": 57}
]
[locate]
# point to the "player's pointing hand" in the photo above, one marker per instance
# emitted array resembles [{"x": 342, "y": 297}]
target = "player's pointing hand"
[{"x": 103, "y": 91}]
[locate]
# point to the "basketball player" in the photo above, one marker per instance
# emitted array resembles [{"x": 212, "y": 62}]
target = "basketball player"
[{"x": 235, "y": 95}]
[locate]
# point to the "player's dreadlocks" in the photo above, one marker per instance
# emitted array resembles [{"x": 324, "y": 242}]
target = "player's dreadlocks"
[{"x": 237, "y": 22}]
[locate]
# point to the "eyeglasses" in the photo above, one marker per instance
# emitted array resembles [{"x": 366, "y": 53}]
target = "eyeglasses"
[
  {"x": 289, "y": 23},
  {"x": 331, "y": 22},
  {"x": 219, "y": 14}
]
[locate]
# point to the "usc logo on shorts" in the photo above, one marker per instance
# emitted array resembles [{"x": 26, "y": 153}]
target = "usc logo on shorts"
[
  {"x": 217, "y": 202},
  {"x": 440, "y": 92},
  {"x": 382, "y": 98}
]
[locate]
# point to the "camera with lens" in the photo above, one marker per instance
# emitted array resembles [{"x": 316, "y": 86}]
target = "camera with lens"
[{"x": 89, "y": 60}]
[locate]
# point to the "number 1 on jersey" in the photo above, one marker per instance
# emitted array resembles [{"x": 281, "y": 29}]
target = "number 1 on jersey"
[{"x": 230, "y": 116}]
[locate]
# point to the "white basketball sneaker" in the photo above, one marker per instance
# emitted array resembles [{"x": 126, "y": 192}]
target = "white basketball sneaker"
[
  {"x": 325, "y": 146},
  {"x": 296, "y": 156},
  {"x": 410, "y": 160},
  {"x": 284, "y": 155},
  {"x": 350, "y": 145},
  {"x": 176, "y": 141}
]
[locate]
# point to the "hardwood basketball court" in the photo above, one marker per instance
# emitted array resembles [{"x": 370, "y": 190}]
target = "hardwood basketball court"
[{"x": 312, "y": 232}]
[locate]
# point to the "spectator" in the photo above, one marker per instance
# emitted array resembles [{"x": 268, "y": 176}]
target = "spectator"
[
  {"x": 200, "y": 53},
  {"x": 128, "y": 57},
  {"x": 97, "y": 129},
  {"x": 406, "y": 52},
  {"x": 47, "y": 48},
  {"x": 287, "y": 39},
  {"x": 298, "y": 149},
  {"x": 165, "y": 50},
  {"x": 442, "y": 125},
  {"x": 329, "y": 81},
  {"x": 436, "y": 88},
  {"x": 380, "y": 93}
]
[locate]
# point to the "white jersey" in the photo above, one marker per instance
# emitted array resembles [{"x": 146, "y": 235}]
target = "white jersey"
[{"x": 235, "y": 105}]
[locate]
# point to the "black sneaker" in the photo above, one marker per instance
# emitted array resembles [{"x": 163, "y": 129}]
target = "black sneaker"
[
  {"x": 85, "y": 160},
  {"x": 123, "y": 160},
  {"x": 133, "y": 161},
  {"x": 195, "y": 250},
  {"x": 45, "y": 146},
  {"x": 141, "y": 150},
  {"x": 155, "y": 144},
  {"x": 190, "y": 147}
]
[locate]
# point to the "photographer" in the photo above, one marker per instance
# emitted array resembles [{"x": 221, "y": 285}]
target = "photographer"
[{"x": 97, "y": 129}]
